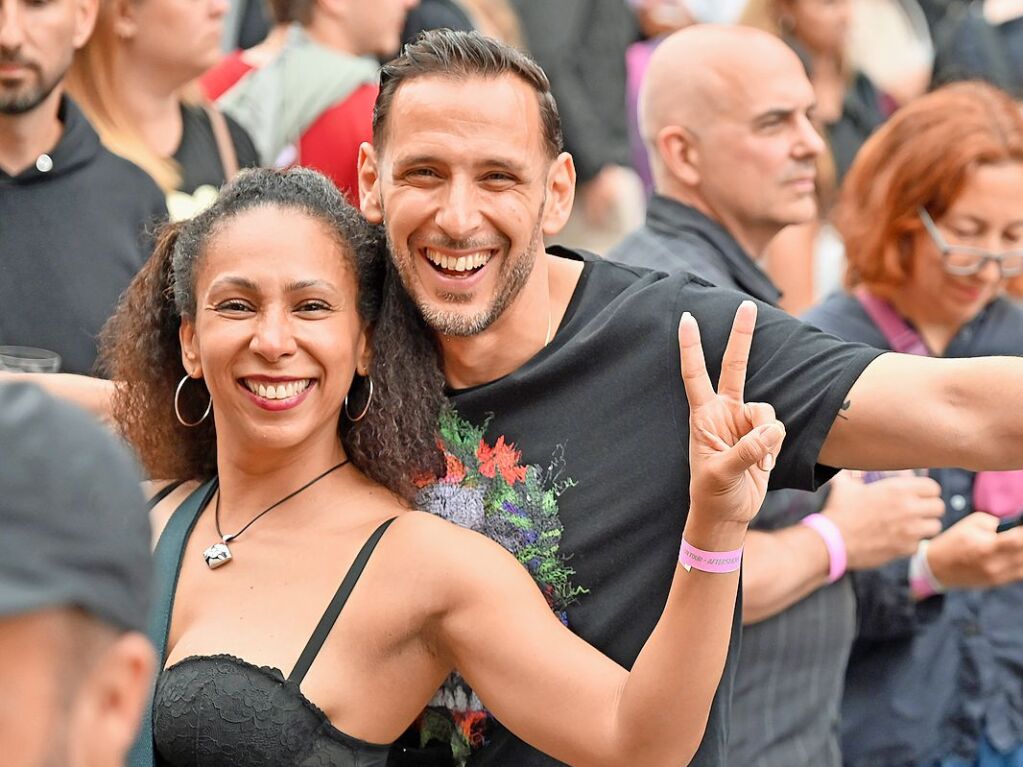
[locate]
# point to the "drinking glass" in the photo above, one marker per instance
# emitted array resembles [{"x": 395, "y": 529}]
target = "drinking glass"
[{"x": 28, "y": 359}]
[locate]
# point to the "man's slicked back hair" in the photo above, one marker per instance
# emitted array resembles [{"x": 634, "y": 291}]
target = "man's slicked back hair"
[{"x": 461, "y": 56}]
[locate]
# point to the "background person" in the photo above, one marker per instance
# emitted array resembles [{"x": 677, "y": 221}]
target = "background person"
[
  {"x": 73, "y": 214},
  {"x": 306, "y": 97},
  {"x": 76, "y": 668},
  {"x": 130, "y": 80},
  {"x": 932, "y": 220}
]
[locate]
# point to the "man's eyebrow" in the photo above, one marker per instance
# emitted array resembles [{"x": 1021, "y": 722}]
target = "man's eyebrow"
[
  {"x": 417, "y": 159},
  {"x": 486, "y": 162},
  {"x": 783, "y": 113},
  {"x": 777, "y": 113}
]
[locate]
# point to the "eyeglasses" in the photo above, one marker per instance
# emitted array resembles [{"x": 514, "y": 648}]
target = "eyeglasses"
[{"x": 964, "y": 260}]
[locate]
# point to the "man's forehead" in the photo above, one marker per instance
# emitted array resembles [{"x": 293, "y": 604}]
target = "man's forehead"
[
  {"x": 755, "y": 92},
  {"x": 500, "y": 110}
]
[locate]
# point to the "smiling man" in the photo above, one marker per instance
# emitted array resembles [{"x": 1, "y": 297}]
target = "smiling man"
[{"x": 563, "y": 369}]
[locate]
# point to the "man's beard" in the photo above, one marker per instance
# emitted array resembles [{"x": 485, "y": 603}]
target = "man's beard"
[
  {"x": 514, "y": 274},
  {"x": 29, "y": 97}
]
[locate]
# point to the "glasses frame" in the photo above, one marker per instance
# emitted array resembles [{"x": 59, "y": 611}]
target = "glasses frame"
[{"x": 981, "y": 254}]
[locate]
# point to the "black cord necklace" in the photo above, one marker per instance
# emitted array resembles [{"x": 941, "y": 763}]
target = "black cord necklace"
[{"x": 220, "y": 553}]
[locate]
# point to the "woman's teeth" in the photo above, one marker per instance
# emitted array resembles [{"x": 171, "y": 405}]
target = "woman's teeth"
[
  {"x": 457, "y": 263},
  {"x": 278, "y": 391}
]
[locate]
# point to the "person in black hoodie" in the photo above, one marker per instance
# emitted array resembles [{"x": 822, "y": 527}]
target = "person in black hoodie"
[{"x": 73, "y": 216}]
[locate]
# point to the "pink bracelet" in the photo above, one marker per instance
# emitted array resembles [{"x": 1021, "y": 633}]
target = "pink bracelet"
[
  {"x": 833, "y": 541},
  {"x": 709, "y": 561},
  {"x": 922, "y": 583}
]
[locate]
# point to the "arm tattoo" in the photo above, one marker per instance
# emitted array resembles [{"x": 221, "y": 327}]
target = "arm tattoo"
[{"x": 845, "y": 406}]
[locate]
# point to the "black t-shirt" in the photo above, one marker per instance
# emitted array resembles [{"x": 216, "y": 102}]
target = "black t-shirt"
[
  {"x": 198, "y": 154},
  {"x": 602, "y": 413}
]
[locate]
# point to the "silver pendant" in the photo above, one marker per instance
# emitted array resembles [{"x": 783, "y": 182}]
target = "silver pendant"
[{"x": 217, "y": 555}]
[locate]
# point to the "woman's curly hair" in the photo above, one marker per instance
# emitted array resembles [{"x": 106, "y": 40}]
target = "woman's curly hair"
[{"x": 394, "y": 444}]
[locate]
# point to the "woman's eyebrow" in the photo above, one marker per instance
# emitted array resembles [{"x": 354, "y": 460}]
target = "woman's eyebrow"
[{"x": 294, "y": 287}]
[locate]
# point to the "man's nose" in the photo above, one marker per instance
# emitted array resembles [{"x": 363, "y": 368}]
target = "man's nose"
[
  {"x": 459, "y": 214},
  {"x": 11, "y": 26},
  {"x": 809, "y": 143}
]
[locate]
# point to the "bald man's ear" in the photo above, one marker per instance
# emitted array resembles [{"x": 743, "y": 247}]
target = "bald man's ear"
[
  {"x": 560, "y": 194},
  {"x": 679, "y": 154},
  {"x": 369, "y": 184}
]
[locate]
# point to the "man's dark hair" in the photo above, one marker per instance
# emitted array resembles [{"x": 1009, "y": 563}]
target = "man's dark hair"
[{"x": 460, "y": 56}]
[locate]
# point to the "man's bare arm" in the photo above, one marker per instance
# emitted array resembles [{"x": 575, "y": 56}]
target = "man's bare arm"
[{"x": 917, "y": 412}]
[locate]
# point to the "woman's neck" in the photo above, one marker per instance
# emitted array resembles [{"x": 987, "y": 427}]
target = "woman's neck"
[
  {"x": 154, "y": 105},
  {"x": 937, "y": 332},
  {"x": 253, "y": 479}
]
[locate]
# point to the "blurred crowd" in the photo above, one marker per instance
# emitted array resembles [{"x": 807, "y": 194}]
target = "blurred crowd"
[{"x": 857, "y": 164}]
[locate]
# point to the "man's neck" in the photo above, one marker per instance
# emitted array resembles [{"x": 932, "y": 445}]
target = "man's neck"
[
  {"x": 753, "y": 240},
  {"x": 26, "y": 136},
  {"x": 519, "y": 333},
  {"x": 326, "y": 31}
]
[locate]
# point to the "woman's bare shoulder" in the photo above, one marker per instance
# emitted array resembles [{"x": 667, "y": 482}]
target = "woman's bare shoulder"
[{"x": 161, "y": 512}]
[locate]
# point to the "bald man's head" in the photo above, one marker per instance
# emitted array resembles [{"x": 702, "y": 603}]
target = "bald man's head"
[
  {"x": 706, "y": 69},
  {"x": 725, "y": 112}
]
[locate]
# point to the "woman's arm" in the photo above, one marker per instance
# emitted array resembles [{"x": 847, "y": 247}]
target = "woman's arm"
[
  {"x": 92, "y": 394},
  {"x": 560, "y": 694}
]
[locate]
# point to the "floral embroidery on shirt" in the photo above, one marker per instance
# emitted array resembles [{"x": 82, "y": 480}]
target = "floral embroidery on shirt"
[{"x": 489, "y": 490}]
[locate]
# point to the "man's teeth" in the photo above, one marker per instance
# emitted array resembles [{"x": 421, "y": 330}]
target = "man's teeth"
[
  {"x": 459, "y": 263},
  {"x": 278, "y": 391}
]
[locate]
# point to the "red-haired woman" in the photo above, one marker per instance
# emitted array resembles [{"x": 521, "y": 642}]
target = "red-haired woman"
[{"x": 932, "y": 218}]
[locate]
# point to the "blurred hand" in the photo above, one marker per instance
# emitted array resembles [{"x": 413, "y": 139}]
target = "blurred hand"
[
  {"x": 733, "y": 445},
  {"x": 970, "y": 554},
  {"x": 884, "y": 520},
  {"x": 662, "y": 17}
]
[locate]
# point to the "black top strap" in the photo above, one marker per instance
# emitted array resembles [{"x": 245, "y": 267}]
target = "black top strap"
[
  {"x": 166, "y": 567},
  {"x": 315, "y": 643},
  {"x": 164, "y": 491}
]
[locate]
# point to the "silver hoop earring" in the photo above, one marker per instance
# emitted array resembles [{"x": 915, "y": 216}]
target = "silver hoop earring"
[
  {"x": 365, "y": 409},
  {"x": 177, "y": 407}
]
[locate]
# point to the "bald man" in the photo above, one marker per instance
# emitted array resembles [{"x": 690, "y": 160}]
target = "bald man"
[
  {"x": 727, "y": 116},
  {"x": 726, "y": 113}
]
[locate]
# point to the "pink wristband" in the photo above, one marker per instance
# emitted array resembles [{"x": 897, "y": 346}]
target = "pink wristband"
[
  {"x": 922, "y": 583},
  {"x": 709, "y": 561},
  {"x": 833, "y": 541}
]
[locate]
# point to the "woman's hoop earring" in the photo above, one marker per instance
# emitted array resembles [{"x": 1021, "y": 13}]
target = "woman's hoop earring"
[
  {"x": 365, "y": 409},
  {"x": 177, "y": 408}
]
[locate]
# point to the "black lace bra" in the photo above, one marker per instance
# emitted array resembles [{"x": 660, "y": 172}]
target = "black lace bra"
[{"x": 214, "y": 710}]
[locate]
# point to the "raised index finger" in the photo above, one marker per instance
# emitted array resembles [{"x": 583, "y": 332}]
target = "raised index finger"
[
  {"x": 694, "y": 368},
  {"x": 732, "y": 382}
]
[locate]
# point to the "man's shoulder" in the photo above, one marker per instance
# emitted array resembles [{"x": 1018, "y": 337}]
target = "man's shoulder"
[
  {"x": 680, "y": 251},
  {"x": 126, "y": 180}
]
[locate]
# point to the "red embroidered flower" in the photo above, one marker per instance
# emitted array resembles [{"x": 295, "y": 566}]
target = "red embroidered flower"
[
  {"x": 503, "y": 458},
  {"x": 455, "y": 470}
]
